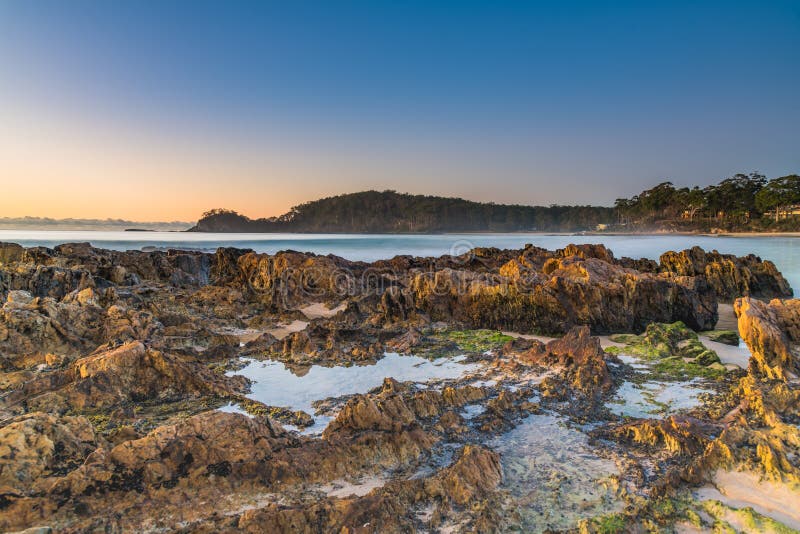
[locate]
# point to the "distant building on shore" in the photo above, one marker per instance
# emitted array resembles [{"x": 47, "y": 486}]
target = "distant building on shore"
[{"x": 783, "y": 213}]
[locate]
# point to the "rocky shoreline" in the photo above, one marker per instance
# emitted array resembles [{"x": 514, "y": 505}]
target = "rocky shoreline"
[{"x": 127, "y": 403}]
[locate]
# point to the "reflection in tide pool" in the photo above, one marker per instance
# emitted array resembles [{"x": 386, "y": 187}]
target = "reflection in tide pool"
[
  {"x": 553, "y": 476},
  {"x": 275, "y": 385}
]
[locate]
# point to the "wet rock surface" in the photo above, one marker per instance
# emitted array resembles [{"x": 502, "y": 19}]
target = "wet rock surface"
[{"x": 127, "y": 400}]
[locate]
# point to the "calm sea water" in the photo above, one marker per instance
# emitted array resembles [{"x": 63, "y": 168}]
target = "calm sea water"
[{"x": 784, "y": 251}]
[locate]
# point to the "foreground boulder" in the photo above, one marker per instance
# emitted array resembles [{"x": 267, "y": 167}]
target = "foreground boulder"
[
  {"x": 580, "y": 361},
  {"x": 467, "y": 484},
  {"x": 78, "y": 323},
  {"x": 772, "y": 332}
]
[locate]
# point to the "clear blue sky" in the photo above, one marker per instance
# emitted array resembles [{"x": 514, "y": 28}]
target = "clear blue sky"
[{"x": 156, "y": 110}]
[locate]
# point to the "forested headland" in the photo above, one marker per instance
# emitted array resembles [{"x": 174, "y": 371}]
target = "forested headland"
[{"x": 743, "y": 202}]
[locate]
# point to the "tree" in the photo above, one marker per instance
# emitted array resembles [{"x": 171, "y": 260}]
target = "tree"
[
  {"x": 735, "y": 196},
  {"x": 218, "y": 211},
  {"x": 779, "y": 194},
  {"x": 695, "y": 200},
  {"x": 623, "y": 207},
  {"x": 658, "y": 201}
]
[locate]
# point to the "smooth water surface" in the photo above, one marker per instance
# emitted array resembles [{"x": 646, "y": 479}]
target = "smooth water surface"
[
  {"x": 275, "y": 385},
  {"x": 784, "y": 251}
]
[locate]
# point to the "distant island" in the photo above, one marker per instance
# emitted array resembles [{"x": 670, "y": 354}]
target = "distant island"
[{"x": 741, "y": 203}]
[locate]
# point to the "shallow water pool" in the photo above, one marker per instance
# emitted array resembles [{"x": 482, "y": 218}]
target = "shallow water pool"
[
  {"x": 656, "y": 399},
  {"x": 554, "y": 477},
  {"x": 274, "y": 384}
]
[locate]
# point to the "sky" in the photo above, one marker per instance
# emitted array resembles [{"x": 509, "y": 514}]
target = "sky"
[{"x": 149, "y": 110}]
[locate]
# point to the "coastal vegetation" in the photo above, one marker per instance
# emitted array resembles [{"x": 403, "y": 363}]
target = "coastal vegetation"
[
  {"x": 743, "y": 202},
  {"x": 393, "y": 212}
]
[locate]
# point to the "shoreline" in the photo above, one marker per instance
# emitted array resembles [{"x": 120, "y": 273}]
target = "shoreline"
[
  {"x": 408, "y": 234},
  {"x": 702, "y": 234}
]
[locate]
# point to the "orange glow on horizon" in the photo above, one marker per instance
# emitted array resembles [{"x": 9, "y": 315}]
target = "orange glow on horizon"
[{"x": 70, "y": 170}]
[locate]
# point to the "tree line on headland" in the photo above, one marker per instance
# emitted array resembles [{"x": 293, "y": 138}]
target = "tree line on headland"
[
  {"x": 739, "y": 203},
  {"x": 742, "y": 202}
]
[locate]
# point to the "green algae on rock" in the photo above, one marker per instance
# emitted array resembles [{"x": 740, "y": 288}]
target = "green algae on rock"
[
  {"x": 673, "y": 351},
  {"x": 728, "y": 337},
  {"x": 476, "y": 341}
]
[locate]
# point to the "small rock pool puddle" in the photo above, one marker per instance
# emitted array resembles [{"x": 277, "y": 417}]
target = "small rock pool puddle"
[
  {"x": 654, "y": 398},
  {"x": 553, "y": 476},
  {"x": 274, "y": 384}
]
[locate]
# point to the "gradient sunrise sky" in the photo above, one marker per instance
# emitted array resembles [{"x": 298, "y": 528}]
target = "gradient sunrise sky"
[{"x": 159, "y": 110}]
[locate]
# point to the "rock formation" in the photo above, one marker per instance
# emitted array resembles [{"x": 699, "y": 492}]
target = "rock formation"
[
  {"x": 113, "y": 366},
  {"x": 772, "y": 331},
  {"x": 728, "y": 275}
]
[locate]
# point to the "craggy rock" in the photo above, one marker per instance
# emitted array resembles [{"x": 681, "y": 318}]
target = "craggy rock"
[
  {"x": 727, "y": 337},
  {"x": 73, "y": 266},
  {"x": 212, "y": 446},
  {"x": 395, "y": 306},
  {"x": 771, "y": 331},
  {"x": 108, "y": 378},
  {"x": 286, "y": 279},
  {"x": 37, "y": 445},
  {"x": 78, "y": 323},
  {"x": 756, "y": 436},
  {"x": 10, "y": 253},
  {"x": 204, "y": 444},
  {"x": 582, "y": 360},
  {"x": 577, "y": 291},
  {"x": 758, "y": 430},
  {"x": 728, "y": 275},
  {"x": 472, "y": 477},
  {"x": 676, "y": 434},
  {"x": 527, "y": 290},
  {"x": 475, "y": 473},
  {"x": 394, "y": 407},
  {"x": 323, "y": 341},
  {"x": 113, "y": 364},
  {"x": 225, "y": 265},
  {"x": 403, "y": 343}
]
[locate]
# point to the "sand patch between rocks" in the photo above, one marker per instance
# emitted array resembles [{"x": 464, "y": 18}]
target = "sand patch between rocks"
[
  {"x": 342, "y": 488},
  {"x": 281, "y": 331},
  {"x": 319, "y": 309},
  {"x": 605, "y": 342},
  {"x": 739, "y": 489}
]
